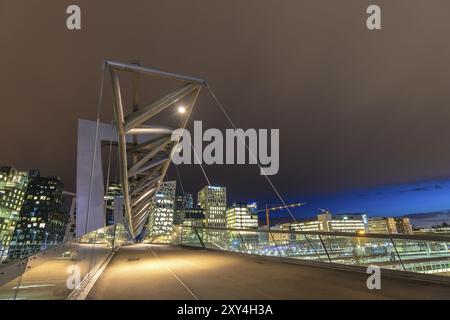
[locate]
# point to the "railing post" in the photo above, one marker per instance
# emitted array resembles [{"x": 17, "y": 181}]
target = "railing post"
[
  {"x": 396, "y": 251},
  {"x": 273, "y": 239},
  {"x": 242, "y": 239},
  {"x": 324, "y": 247},
  {"x": 114, "y": 237},
  {"x": 199, "y": 238}
]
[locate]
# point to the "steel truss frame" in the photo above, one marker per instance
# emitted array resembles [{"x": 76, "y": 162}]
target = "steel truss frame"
[{"x": 144, "y": 165}]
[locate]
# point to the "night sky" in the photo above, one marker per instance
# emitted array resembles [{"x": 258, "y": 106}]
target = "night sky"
[{"x": 363, "y": 115}]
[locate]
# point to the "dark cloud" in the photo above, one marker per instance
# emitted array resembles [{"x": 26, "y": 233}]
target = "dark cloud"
[{"x": 355, "y": 108}]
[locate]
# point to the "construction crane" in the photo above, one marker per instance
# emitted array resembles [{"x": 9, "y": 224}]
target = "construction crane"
[{"x": 267, "y": 210}]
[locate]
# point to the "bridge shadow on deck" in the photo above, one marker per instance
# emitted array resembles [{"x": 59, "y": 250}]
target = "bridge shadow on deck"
[{"x": 171, "y": 272}]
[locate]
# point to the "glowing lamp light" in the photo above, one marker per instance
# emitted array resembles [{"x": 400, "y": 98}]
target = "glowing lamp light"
[{"x": 181, "y": 109}]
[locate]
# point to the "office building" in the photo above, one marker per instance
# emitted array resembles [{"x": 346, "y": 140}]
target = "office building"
[
  {"x": 113, "y": 191},
  {"x": 343, "y": 222},
  {"x": 182, "y": 203},
  {"x": 403, "y": 226},
  {"x": 162, "y": 209},
  {"x": 213, "y": 200},
  {"x": 390, "y": 225},
  {"x": 382, "y": 225},
  {"x": 242, "y": 216},
  {"x": 13, "y": 184},
  {"x": 311, "y": 225},
  {"x": 43, "y": 216}
]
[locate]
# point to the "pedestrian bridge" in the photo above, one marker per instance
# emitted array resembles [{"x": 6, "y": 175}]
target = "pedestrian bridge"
[{"x": 219, "y": 263}]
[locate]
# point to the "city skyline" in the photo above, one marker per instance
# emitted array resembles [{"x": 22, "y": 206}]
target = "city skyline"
[{"x": 392, "y": 200}]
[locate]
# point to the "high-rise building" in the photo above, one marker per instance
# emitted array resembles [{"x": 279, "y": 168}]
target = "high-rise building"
[
  {"x": 13, "y": 184},
  {"x": 162, "y": 209},
  {"x": 242, "y": 216},
  {"x": 213, "y": 200},
  {"x": 182, "y": 203},
  {"x": 113, "y": 191},
  {"x": 390, "y": 225},
  {"x": 382, "y": 225},
  {"x": 343, "y": 222},
  {"x": 43, "y": 217}
]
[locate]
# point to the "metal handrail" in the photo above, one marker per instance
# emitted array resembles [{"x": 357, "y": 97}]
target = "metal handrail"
[{"x": 339, "y": 234}]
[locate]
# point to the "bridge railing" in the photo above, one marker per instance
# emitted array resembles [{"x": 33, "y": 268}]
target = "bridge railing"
[
  {"x": 56, "y": 272},
  {"x": 416, "y": 253}
]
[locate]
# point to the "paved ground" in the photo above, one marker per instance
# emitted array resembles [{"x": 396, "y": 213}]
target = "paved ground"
[{"x": 170, "y": 272}]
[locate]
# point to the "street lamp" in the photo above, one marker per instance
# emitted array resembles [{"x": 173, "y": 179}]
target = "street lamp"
[{"x": 181, "y": 109}]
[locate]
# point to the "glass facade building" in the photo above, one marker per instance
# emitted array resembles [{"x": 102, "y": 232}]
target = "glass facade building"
[
  {"x": 162, "y": 209},
  {"x": 114, "y": 190},
  {"x": 242, "y": 216},
  {"x": 390, "y": 225},
  {"x": 343, "y": 222},
  {"x": 213, "y": 200},
  {"x": 182, "y": 203},
  {"x": 13, "y": 184},
  {"x": 43, "y": 216}
]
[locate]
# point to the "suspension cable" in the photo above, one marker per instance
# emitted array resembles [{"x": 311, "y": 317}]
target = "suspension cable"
[
  {"x": 219, "y": 104},
  {"x": 95, "y": 145}
]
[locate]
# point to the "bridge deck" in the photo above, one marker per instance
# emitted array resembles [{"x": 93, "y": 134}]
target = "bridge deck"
[{"x": 170, "y": 272}]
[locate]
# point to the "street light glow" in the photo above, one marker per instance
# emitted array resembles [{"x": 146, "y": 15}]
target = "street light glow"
[{"x": 181, "y": 109}]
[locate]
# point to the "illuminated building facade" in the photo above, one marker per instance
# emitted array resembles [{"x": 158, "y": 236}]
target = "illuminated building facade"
[
  {"x": 382, "y": 225},
  {"x": 403, "y": 225},
  {"x": 13, "y": 184},
  {"x": 194, "y": 217},
  {"x": 182, "y": 203},
  {"x": 162, "y": 209},
  {"x": 343, "y": 222},
  {"x": 312, "y": 225},
  {"x": 113, "y": 191},
  {"x": 390, "y": 225},
  {"x": 213, "y": 200},
  {"x": 43, "y": 217},
  {"x": 242, "y": 216}
]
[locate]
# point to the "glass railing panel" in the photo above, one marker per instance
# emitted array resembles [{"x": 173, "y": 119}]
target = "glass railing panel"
[
  {"x": 189, "y": 236},
  {"x": 432, "y": 257},
  {"x": 46, "y": 274},
  {"x": 302, "y": 246},
  {"x": 236, "y": 242},
  {"x": 122, "y": 236},
  {"x": 10, "y": 279},
  {"x": 172, "y": 237},
  {"x": 9, "y": 290},
  {"x": 56, "y": 272},
  {"x": 250, "y": 242},
  {"x": 216, "y": 238},
  {"x": 408, "y": 253},
  {"x": 363, "y": 251}
]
